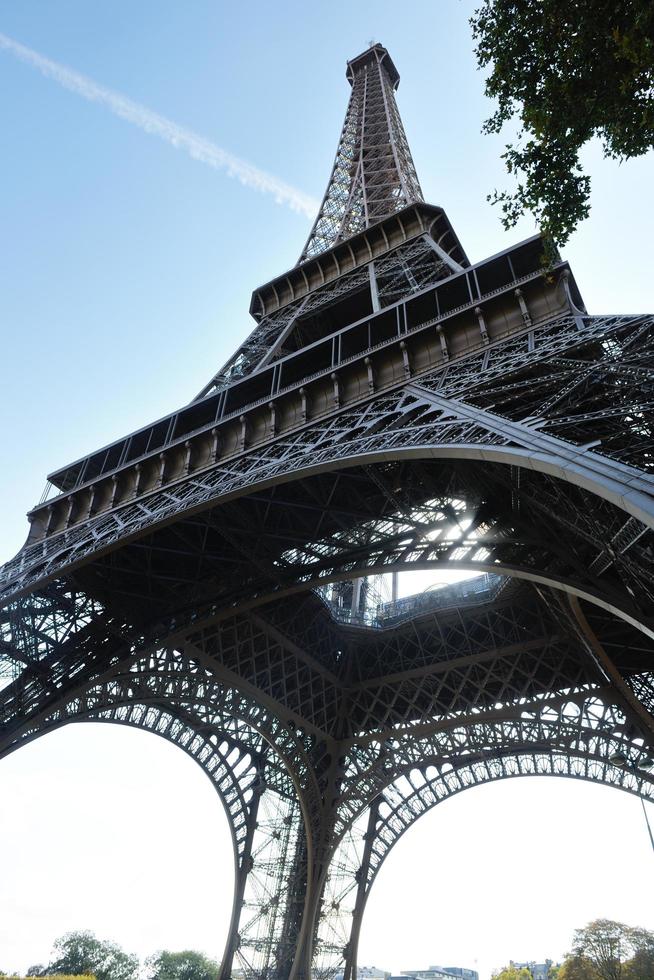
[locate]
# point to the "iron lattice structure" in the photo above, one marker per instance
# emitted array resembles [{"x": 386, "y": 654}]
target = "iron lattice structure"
[{"x": 208, "y": 577}]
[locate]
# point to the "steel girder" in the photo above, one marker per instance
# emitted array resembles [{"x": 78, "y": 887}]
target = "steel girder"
[
  {"x": 413, "y": 421},
  {"x": 184, "y": 588},
  {"x": 255, "y": 763},
  {"x": 373, "y": 177},
  {"x": 367, "y": 843},
  {"x": 393, "y": 275},
  {"x": 390, "y": 777},
  {"x": 335, "y": 719},
  {"x": 374, "y": 174}
]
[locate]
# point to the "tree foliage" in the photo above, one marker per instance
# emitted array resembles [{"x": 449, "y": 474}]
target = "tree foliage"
[
  {"x": 513, "y": 973},
  {"x": 613, "y": 950},
  {"x": 641, "y": 965},
  {"x": 565, "y": 72},
  {"x": 186, "y": 965},
  {"x": 81, "y": 956},
  {"x": 81, "y": 953},
  {"x": 578, "y": 968}
]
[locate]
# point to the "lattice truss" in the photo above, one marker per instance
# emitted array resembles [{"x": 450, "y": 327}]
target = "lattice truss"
[
  {"x": 204, "y": 610},
  {"x": 384, "y": 784},
  {"x": 266, "y": 342},
  {"x": 401, "y": 272},
  {"x": 373, "y": 175},
  {"x": 481, "y": 693},
  {"x": 459, "y": 763},
  {"x": 533, "y": 401},
  {"x": 173, "y": 696}
]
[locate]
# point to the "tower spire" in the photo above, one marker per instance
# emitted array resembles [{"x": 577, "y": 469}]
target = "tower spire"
[{"x": 373, "y": 174}]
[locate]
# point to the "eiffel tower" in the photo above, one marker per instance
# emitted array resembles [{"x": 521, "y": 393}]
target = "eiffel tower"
[{"x": 228, "y": 576}]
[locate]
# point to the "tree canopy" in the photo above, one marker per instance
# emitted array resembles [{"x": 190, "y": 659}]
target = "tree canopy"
[
  {"x": 602, "y": 950},
  {"x": 186, "y": 965},
  {"x": 609, "y": 950},
  {"x": 565, "y": 73},
  {"x": 32, "y": 974},
  {"x": 513, "y": 973},
  {"x": 578, "y": 968},
  {"x": 81, "y": 953}
]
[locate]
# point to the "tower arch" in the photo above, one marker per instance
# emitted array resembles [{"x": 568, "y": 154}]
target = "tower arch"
[{"x": 394, "y": 407}]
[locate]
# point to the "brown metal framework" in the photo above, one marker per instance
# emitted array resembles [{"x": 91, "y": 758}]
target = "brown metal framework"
[
  {"x": 373, "y": 175},
  {"x": 207, "y": 578}
]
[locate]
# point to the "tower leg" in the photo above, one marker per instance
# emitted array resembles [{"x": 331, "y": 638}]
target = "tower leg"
[
  {"x": 270, "y": 893},
  {"x": 350, "y": 967},
  {"x": 243, "y": 868}
]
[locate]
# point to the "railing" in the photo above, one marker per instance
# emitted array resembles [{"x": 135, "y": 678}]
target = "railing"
[
  {"x": 475, "y": 590},
  {"x": 49, "y": 490},
  {"x": 434, "y": 304}
]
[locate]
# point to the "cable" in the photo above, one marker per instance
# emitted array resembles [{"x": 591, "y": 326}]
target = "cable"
[{"x": 649, "y": 829}]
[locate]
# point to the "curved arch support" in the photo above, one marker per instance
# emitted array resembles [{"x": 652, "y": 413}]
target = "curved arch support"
[
  {"x": 631, "y": 492},
  {"x": 437, "y": 416},
  {"x": 401, "y": 564},
  {"x": 587, "y": 722},
  {"x": 254, "y": 763},
  {"x": 390, "y": 782},
  {"x": 368, "y": 842},
  {"x": 324, "y": 748}
]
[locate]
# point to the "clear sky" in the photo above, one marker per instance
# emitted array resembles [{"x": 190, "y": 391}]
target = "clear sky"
[{"x": 126, "y": 268}]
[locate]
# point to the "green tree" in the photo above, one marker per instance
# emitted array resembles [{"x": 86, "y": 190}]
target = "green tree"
[
  {"x": 565, "y": 73},
  {"x": 513, "y": 973},
  {"x": 612, "y": 947},
  {"x": 81, "y": 953},
  {"x": 577, "y": 968},
  {"x": 186, "y": 965},
  {"x": 641, "y": 965}
]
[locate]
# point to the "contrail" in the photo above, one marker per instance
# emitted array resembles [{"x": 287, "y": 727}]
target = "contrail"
[{"x": 151, "y": 122}]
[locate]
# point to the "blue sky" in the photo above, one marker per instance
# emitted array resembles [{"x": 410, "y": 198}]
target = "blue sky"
[{"x": 126, "y": 269}]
